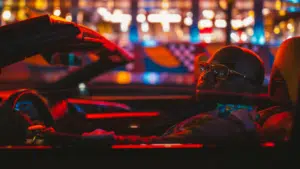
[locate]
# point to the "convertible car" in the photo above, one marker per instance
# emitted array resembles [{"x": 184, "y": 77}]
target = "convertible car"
[{"x": 48, "y": 104}]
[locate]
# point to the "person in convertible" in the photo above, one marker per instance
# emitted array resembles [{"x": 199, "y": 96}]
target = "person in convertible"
[{"x": 228, "y": 77}]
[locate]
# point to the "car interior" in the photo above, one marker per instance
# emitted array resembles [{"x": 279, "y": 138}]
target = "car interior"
[{"x": 137, "y": 116}]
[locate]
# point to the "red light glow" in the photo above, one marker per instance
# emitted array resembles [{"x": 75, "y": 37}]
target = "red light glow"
[
  {"x": 268, "y": 144},
  {"x": 157, "y": 146},
  {"x": 121, "y": 115}
]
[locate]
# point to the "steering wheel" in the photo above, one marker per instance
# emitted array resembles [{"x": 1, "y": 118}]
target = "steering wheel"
[{"x": 14, "y": 123}]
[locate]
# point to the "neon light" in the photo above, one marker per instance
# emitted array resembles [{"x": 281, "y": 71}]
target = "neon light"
[
  {"x": 120, "y": 115},
  {"x": 157, "y": 146},
  {"x": 268, "y": 144},
  {"x": 149, "y": 43},
  {"x": 95, "y": 102}
]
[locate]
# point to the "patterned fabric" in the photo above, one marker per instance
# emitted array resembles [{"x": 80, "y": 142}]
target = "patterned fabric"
[
  {"x": 225, "y": 109},
  {"x": 209, "y": 122},
  {"x": 185, "y": 53}
]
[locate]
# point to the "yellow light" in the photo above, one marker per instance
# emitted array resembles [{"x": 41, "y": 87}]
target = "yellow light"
[
  {"x": 8, "y": 3},
  {"x": 69, "y": 17},
  {"x": 276, "y": 30},
  {"x": 249, "y": 31},
  {"x": 22, "y": 3},
  {"x": 123, "y": 77},
  {"x": 165, "y": 4},
  {"x": 289, "y": 26},
  {"x": 282, "y": 25},
  {"x": 282, "y": 13},
  {"x": 278, "y": 5},
  {"x": 223, "y": 4},
  {"x": 21, "y": 14},
  {"x": 251, "y": 13},
  {"x": 41, "y": 4}
]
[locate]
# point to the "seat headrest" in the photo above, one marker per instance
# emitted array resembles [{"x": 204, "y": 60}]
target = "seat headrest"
[{"x": 284, "y": 83}]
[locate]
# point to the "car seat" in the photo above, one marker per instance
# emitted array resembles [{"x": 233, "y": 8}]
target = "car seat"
[{"x": 276, "y": 122}]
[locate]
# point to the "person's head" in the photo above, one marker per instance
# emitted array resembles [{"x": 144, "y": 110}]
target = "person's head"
[{"x": 232, "y": 69}]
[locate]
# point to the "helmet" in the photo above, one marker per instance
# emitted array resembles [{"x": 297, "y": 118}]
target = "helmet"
[{"x": 245, "y": 65}]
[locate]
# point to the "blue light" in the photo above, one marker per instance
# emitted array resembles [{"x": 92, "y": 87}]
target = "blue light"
[
  {"x": 259, "y": 36},
  {"x": 293, "y": 9},
  {"x": 293, "y": 1},
  {"x": 151, "y": 78},
  {"x": 194, "y": 34},
  {"x": 133, "y": 34},
  {"x": 149, "y": 43}
]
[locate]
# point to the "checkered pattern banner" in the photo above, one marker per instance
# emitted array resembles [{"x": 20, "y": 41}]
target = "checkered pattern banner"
[{"x": 185, "y": 53}]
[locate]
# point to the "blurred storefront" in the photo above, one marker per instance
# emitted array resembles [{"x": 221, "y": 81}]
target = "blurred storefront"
[{"x": 159, "y": 21}]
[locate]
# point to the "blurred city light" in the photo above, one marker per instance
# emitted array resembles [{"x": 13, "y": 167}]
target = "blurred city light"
[
  {"x": 57, "y": 12},
  {"x": 123, "y": 77},
  {"x": 164, "y": 17},
  {"x": 266, "y": 11},
  {"x": 165, "y": 21},
  {"x": 208, "y": 14},
  {"x": 6, "y": 15},
  {"x": 145, "y": 27},
  {"x": 82, "y": 86},
  {"x": 141, "y": 18},
  {"x": 188, "y": 21},
  {"x": 151, "y": 78},
  {"x": 69, "y": 17},
  {"x": 205, "y": 23},
  {"x": 220, "y": 23}
]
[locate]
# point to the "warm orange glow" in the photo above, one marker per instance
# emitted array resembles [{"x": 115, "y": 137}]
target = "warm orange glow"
[
  {"x": 123, "y": 77},
  {"x": 121, "y": 115},
  {"x": 156, "y": 146},
  {"x": 25, "y": 147}
]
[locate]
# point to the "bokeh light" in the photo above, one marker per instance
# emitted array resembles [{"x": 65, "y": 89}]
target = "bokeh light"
[
  {"x": 123, "y": 77},
  {"x": 151, "y": 78}
]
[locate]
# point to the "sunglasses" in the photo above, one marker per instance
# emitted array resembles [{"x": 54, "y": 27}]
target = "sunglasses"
[{"x": 222, "y": 72}]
